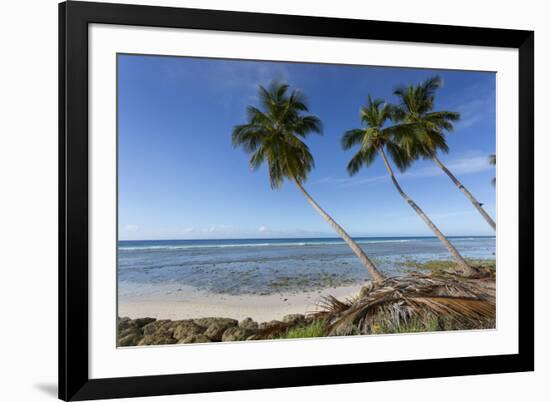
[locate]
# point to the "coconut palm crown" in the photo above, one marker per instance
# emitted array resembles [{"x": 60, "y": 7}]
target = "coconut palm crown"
[
  {"x": 376, "y": 136},
  {"x": 416, "y": 103},
  {"x": 274, "y": 134}
]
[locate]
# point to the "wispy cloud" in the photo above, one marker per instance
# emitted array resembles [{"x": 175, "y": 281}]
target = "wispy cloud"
[
  {"x": 473, "y": 104},
  {"x": 460, "y": 166},
  {"x": 229, "y": 75},
  {"x": 349, "y": 181},
  {"x": 463, "y": 165},
  {"x": 235, "y": 81}
]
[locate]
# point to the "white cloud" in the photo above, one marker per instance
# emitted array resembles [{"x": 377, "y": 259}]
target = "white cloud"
[
  {"x": 130, "y": 228},
  {"x": 463, "y": 165},
  {"x": 459, "y": 166},
  {"x": 263, "y": 229}
]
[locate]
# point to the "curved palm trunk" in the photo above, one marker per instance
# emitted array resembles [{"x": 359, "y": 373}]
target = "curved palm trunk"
[
  {"x": 466, "y": 269},
  {"x": 469, "y": 195},
  {"x": 373, "y": 271}
]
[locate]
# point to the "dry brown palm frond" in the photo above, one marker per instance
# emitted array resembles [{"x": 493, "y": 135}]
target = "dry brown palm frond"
[
  {"x": 332, "y": 305},
  {"x": 396, "y": 301}
]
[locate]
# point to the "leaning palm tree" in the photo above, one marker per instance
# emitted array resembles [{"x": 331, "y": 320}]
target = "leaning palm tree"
[
  {"x": 416, "y": 104},
  {"x": 274, "y": 134},
  {"x": 375, "y": 138},
  {"x": 493, "y": 161}
]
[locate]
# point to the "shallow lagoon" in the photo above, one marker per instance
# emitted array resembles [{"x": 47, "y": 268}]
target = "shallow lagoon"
[{"x": 267, "y": 266}]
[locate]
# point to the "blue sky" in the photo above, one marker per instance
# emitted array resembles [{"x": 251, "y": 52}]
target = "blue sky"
[{"x": 180, "y": 177}]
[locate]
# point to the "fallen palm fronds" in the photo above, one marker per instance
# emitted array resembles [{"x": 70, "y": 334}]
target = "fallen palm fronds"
[{"x": 449, "y": 301}]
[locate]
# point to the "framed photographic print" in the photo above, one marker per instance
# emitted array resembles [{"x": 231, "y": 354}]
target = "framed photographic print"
[{"x": 257, "y": 201}]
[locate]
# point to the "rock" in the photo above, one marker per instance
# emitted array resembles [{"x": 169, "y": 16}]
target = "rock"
[
  {"x": 249, "y": 323},
  {"x": 124, "y": 323},
  {"x": 140, "y": 322},
  {"x": 268, "y": 324},
  {"x": 155, "y": 326},
  {"x": 196, "y": 339},
  {"x": 131, "y": 339},
  {"x": 294, "y": 319},
  {"x": 157, "y": 339},
  {"x": 187, "y": 328},
  {"x": 207, "y": 321},
  {"x": 130, "y": 331},
  {"x": 216, "y": 330},
  {"x": 236, "y": 334}
]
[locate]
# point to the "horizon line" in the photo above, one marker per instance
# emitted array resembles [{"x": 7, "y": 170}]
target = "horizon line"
[{"x": 315, "y": 237}]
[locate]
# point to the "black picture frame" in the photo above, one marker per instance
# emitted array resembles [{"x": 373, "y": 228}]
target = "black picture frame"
[{"x": 74, "y": 18}]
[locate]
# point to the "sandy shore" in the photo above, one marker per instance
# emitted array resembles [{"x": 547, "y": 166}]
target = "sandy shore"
[{"x": 259, "y": 307}]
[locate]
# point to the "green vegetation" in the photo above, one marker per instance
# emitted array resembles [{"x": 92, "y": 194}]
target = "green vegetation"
[
  {"x": 315, "y": 329},
  {"x": 440, "y": 266}
]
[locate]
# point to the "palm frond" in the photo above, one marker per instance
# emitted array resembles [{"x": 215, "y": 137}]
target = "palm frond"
[
  {"x": 429, "y": 86},
  {"x": 402, "y": 159},
  {"x": 365, "y": 156},
  {"x": 352, "y": 137},
  {"x": 398, "y": 301}
]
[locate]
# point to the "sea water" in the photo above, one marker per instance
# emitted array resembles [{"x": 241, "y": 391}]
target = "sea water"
[{"x": 267, "y": 266}]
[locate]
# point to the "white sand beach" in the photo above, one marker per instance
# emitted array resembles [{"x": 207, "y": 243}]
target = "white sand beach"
[{"x": 201, "y": 304}]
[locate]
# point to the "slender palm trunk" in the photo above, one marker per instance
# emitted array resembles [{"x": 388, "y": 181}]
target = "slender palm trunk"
[
  {"x": 373, "y": 271},
  {"x": 466, "y": 269},
  {"x": 469, "y": 195}
]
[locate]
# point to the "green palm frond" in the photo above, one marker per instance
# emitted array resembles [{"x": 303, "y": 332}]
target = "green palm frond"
[
  {"x": 306, "y": 125},
  {"x": 399, "y": 156},
  {"x": 248, "y": 136},
  {"x": 352, "y": 137},
  {"x": 364, "y": 157}
]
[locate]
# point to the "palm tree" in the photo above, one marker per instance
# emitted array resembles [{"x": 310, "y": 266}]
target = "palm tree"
[
  {"x": 274, "y": 134},
  {"x": 416, "y": 105},
  {"x": 375, "y": 139},
  {"x": 493, "y": 161}
]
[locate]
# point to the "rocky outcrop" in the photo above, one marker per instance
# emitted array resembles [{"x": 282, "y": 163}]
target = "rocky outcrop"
[{"x": 149, "y": 331}]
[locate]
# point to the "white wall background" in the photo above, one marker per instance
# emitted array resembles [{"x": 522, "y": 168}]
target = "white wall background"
[{"x": 28, "y": 198}]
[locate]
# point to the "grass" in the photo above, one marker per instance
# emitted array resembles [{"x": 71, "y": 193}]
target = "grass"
[
  {"x": 314, "y": 330},
  {"x": 318, "y": 329},
  {"x": 417, "y": 324}
]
